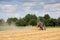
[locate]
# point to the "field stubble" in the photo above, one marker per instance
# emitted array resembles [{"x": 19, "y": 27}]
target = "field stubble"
[{"x": 31, "y": 33}]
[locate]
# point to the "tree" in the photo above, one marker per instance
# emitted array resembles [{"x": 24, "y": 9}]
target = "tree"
[
  {"x": 29, "y": 17},
  {"x": 2, "y": 22},
  {"x": 33, "y": 22},
  {"x": 47, "y": 16},
  {"x": 46, "y": 19},
  {"x": 21, "y": 22},
  {"x": 52, "y": 22},
  {"x": 41, "y": 19},
  {"x": 58, "y": 21},
  {"x": 46, "y": 22},
  {"x": 11, "y": 20}
]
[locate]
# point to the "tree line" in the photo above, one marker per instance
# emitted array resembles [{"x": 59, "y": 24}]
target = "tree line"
[{"x": 32, "y": 19}]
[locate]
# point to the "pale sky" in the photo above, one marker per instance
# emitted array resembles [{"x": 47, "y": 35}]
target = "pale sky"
[{"x": 19, "y": 8}]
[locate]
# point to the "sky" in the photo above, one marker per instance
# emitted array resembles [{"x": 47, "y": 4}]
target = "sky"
[{"x": 19, "y": 8}]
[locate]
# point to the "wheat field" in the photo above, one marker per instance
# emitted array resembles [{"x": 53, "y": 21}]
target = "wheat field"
[{"x": 31, "y": 33}]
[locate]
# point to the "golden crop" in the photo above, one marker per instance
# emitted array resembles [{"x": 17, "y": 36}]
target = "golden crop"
[{"x": 31, "y": 33}]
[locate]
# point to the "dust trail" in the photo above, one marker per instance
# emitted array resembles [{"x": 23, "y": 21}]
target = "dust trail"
[
  {"x": 5, "y": 26},
  {"x": 13, "y": 27}
]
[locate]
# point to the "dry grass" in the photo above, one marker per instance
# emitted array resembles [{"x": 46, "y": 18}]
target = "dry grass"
[{"x": 31, "y": 33}]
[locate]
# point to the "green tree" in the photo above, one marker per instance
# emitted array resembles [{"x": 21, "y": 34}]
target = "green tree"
[
  {"x": 46, "y": 19},
  {"x": 29, "y": 17},
  {"x": 52, "y": 22},
  {"x": 41, "y": 19},
  {"x": 11, "y": 20},
  {"x": 58, "y": 21},
  {"x": 21, "y": 22},
  {"x": 33, "y": 22},
  {"x": 2, "y": 22},
  {"x": 47, "y": 16}
]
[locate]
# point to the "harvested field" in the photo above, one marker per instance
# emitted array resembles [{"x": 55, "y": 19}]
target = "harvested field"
[{"x": 31, "y": 33}]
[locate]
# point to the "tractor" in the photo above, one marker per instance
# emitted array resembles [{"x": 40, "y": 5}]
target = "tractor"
[{"x": 41, "y": 25}]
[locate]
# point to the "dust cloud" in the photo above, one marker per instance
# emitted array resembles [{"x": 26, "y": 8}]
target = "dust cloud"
[{"x": 5, "y": 26}]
